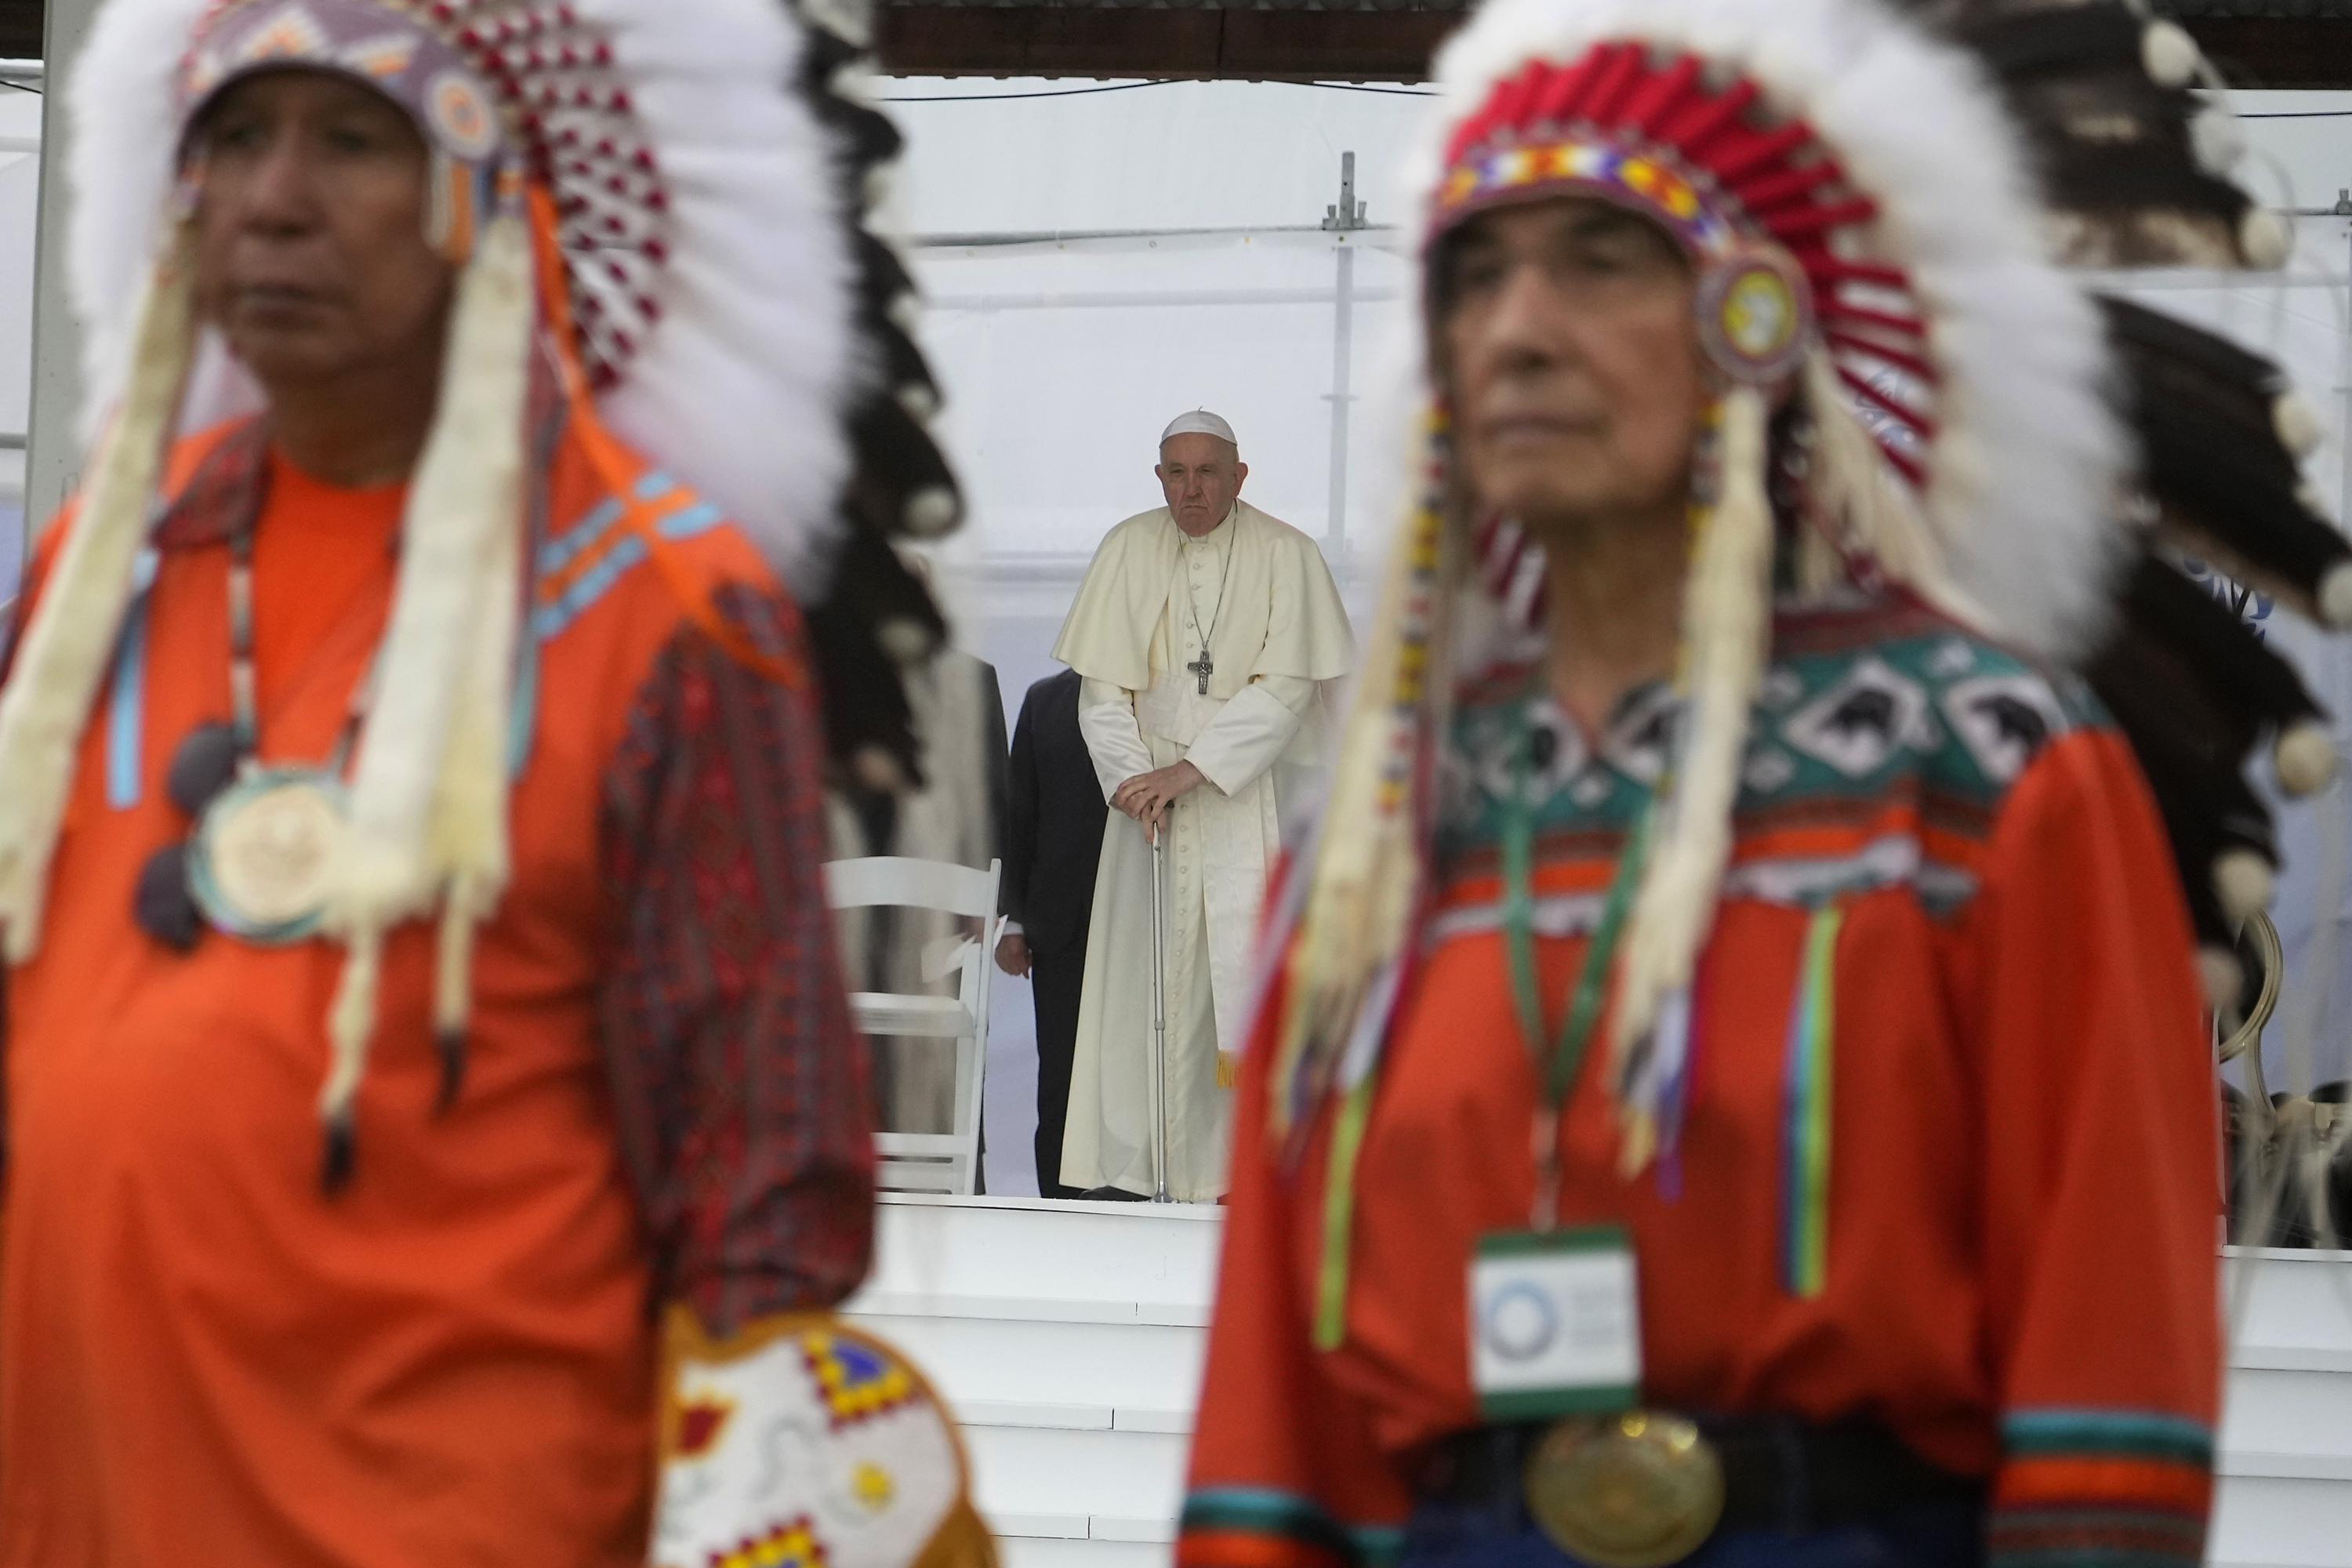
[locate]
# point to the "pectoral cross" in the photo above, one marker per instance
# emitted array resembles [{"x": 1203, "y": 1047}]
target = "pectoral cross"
[{"x": 1203, "y": 668}]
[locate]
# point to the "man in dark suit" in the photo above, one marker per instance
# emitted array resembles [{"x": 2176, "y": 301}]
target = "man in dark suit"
[{"x": 1052, "y": 838}]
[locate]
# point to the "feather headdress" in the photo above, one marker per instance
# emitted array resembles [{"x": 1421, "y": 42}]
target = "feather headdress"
[
  {"x": 1977, "y": 424},
  {"x": 646, "y": 197}
]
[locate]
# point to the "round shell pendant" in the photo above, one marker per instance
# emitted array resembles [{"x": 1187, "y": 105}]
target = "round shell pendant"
[{"x": 263, "y": 853}]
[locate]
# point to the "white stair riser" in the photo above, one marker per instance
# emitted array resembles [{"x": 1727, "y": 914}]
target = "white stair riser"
[
  {"x": 2290, "y": 1412},
  {"x": 1029, "y": 1553},
  {"x": 1081, "y": 1254},
  {"x": 2281, "y": 1524},
  {"x": 1110, "y": 1475},
  {"x": 1120, "y": 1364},
  {"x": 2293, "y": 1301}
]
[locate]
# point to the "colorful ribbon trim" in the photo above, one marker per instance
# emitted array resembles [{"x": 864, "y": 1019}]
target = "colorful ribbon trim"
[
  {"x": 1340, "y": 1214},
  {"x": 1253, "y": 1527},
  {"x": 1630, "y": 178},
  {"x": 127, "y": 710},
  {"x": 2048, "y": 1432},
  {"x": 1805, "y": 1182}
]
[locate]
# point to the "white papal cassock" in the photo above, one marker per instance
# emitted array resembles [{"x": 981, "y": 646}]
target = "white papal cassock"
[{"x": 1257, "y": 591}]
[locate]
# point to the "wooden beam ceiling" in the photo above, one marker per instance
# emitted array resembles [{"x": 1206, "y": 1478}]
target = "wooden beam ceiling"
[
  {"x": 934, "y": 39},
  {"x": 20, "y": 29},
  {"x": 1388, "y": 45},
  {"x": 919, "y": 39}
]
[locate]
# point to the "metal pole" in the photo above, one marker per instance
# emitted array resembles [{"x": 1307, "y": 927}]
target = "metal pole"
[
  {"x": 1343, "y": 218},
  {"x": 57, "y": 337},
  {"x": 1343, "y": 338},
  {"x": 1159, "y": 1033}
]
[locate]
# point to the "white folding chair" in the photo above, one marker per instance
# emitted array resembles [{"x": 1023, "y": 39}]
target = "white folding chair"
[{"x": 930, "y": 1162}]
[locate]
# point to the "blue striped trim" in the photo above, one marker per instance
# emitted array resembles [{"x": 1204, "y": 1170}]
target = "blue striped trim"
[
  {"x": 522, "y": 715},
  {"x": 2135, "y": 1432},
  {"x": 126, "y": 715},
  {"x": 596, "y": 523},
  {"x": 568, "y": 546},
  {"x": 2097, "y": 1556},
  {"x": 593, "y": 583},
  {"x": 1265, "y": 1510}
]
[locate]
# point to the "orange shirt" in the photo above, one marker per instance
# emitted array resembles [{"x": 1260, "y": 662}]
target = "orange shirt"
[
  {"x": 2022, "y": 1199},
  {"x": 205, "y": 1359}
]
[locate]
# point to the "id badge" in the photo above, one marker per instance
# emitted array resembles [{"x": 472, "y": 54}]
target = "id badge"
[{"x": 1554, "y": 1324}]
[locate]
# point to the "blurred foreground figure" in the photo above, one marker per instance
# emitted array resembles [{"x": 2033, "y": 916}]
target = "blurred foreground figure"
[
  {"x": 434, "y": 1123},
  {"x": 1204, "y": 632},
  {"x": 1733, "y": 1089}
]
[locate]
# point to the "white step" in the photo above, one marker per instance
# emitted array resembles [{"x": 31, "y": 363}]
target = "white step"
[
  {"x": 1025, "y": 1361},
  {"x": 1019, "y": 1552},
  {"x": 1025, "y": 1248},
  {"x": 1115, "y": 1474},
  {"x": 2282, "y": 1523},
  {"x": 2305, "y": 1414},
  {"x": 1069, "y": 1338}
]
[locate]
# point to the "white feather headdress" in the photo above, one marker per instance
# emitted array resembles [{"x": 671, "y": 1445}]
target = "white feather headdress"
[
  {"x": 1932, "y": 206},
  {"x": 641, "y": 187},
  {"x": 738, "y": 376}
]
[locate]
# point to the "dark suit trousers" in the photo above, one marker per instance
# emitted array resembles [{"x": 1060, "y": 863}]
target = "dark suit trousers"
[{"x": 1055, "y": 981}]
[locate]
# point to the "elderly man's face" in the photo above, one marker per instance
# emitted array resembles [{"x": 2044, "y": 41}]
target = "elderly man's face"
[
  {"x": 1201, "y": 475},
  {"x": 311, "y": 252},
  {"x": 1567, "y": 335}
]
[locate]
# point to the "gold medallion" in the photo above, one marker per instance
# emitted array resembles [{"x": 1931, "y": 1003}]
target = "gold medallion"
[
  {"x": 1632, "y": 1490},
  {"x": 264, "y": 852}
]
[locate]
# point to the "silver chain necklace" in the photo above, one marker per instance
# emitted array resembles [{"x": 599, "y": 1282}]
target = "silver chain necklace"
[{"x": 1204, "y": 666}]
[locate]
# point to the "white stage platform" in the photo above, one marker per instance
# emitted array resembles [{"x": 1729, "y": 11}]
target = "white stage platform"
[{"x": 1068, "y": 1336}]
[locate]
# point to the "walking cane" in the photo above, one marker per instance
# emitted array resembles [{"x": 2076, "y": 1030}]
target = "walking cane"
[{"x": 1158, "y": 1032}]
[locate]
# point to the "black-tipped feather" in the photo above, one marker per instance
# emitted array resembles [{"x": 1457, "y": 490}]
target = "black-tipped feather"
[
  {"x": 2115, "y": 148},
  {"x": 2204, "y": 410},
  {"x": 2193, "y": 691},
  {"x": 865, "y": 692},
  {"x": 882, "y": 276},
  {"x": 2126, "y": 180},
  {"x": 2229, "y": 662},
  {"x": 2140, "y": 330},
  {"x": 824, "y": 53},
  {"x": 2185, "y": 800},
  {"x": 865, "y": 136},
  {"x": 894, "y": 460},
  {"x": 2051, "y": 40},
  {"x": 903, "y": 364}
]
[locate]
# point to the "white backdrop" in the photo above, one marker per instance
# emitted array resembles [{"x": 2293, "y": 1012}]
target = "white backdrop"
[{"x": 20, "y": 186}]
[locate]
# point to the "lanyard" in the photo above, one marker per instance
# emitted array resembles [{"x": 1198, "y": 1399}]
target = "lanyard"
[{"x": 1565, "y": 1058}]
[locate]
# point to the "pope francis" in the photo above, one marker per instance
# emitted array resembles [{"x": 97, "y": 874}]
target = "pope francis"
[{"x": 1205, "y": 632}]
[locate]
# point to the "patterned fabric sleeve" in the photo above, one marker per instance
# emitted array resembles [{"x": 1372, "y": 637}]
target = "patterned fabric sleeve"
[
  {"x": 739, "y": 1086},
  {"x": 2102, "y": 1178},
  {"x": 1285, "y": 1471}
]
